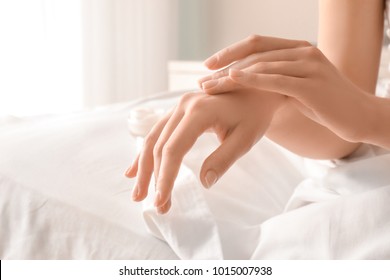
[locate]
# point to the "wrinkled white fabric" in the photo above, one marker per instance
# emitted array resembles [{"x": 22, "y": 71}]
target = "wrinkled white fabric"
[
  {"x": 189, "y": 227},
  {"x": 63, "y": 192},
  {"x": 348, "y": 227},
  {"x": 341, "y": 212},
  {"x": 253, "y": 190},
  {"x": 64, "y": 196},
  {"x": 36, "y": 226}
]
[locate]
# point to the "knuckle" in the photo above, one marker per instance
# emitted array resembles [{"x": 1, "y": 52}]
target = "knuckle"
[
  {"x": 150, "y": 141},
  {"x": 305, "y": 43},
  {"x": 185, "y": 98},
  {"x": 313, "y": 52},
  {"x": 254, "y": 39},
  {"x": 157, "y": 150},
  {"x": 168, "y": 151},
  {"x": 197, "y": 105},
  {"x": 254, "y": 42}
]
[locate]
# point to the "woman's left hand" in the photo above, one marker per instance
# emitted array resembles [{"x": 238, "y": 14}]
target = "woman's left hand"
[
  {"x": 239, "y": 119},
  {"x": 300, "y": 71}
]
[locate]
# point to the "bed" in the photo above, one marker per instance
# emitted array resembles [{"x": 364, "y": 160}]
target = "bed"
[{"x": 64, "y": 196}]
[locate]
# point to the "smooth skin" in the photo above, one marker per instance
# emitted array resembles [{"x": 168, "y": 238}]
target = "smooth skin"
[
  {"x": 230, "y": 116},
  {"x": 316, "y": 102}
]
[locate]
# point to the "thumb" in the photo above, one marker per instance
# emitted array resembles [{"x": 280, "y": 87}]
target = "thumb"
[{"x": 231, "y": 149}]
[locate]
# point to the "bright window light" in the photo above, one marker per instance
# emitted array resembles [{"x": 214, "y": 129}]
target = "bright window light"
[{"x": 40, "y": 57}]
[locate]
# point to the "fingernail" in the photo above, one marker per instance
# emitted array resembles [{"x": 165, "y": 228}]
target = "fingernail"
[
  {"x": 210, "y": 178},
  {"x": 160, "y": 210},
  {"x": 209, "y": 84},
  {"x": 210, "y": 62},
  {"x": 128, "y": 171},
  {"x": 157, "y": 199},
  {"x": 135, "y": 192}
]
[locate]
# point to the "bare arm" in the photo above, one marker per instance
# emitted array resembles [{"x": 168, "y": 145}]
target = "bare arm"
[
  {"x": 328, "y": 109},
  {"x": 316, "y": 105},
  {"x": 350, "y": 35}
]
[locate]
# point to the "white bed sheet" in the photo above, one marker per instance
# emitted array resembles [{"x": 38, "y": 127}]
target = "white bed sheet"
[
  {"x": 64, "y": 196},
  {"x": 63, "y": 192}
]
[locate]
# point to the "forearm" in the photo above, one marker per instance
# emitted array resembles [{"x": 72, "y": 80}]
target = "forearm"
[
  {"x": 326, "y": 89},
  {"x": 299, "y": 134},
  {"x": 350, "y": 36}
]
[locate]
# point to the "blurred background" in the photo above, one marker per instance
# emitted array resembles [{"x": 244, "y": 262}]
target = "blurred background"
[{"x": 60, "y": 56}]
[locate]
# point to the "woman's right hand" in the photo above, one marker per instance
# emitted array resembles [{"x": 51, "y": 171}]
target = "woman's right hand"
[
  {"x": 239, "y": 119},
  {"x": 301, "y": 72}
]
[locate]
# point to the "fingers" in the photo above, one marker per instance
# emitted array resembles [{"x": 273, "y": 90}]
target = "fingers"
[
  {"x": 131, "y": 172},
  {"x": 165, "y": 208},
  {"x": 272, "y": 62},
  {"x": 248, "y": 46},
  {"x": 180, "y": 142},
  {"x": 243, "y": 63},
  {"x": 145, "y": 161},
  {"x": 276, "y": 55},
  {"x": 216, "y": 75},
  {"x": 168, "y": 129},
  {"x": 221, "y": 85},
  {"x": 287, "y": 85},
  {"x": 231, "y": 149},
  {"x": 164, "y": 149},
  {"x": 285, "y": 68}
]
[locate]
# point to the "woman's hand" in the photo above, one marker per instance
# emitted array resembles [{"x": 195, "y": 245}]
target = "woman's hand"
[
  {"x": 300, "y": 71},
  {"x": 239, "y": 119}
]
